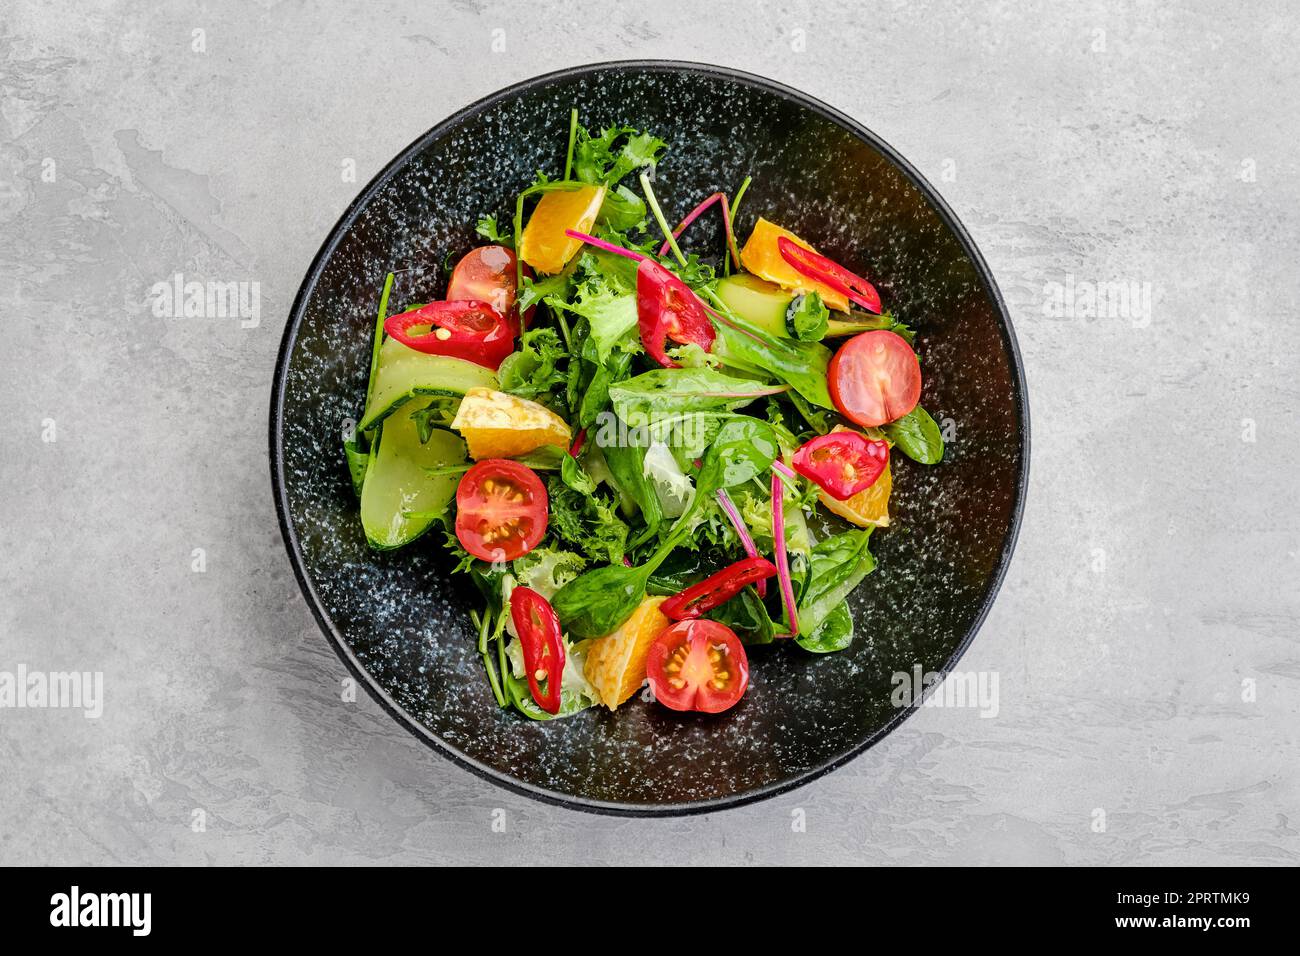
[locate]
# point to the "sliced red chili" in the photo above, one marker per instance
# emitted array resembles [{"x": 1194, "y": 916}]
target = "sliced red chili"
[
  {"x": 830, "y": 273},
  {"x": 716, "y": 589},
  {"x": 539, "y": 637},
  {"x": 842, "y": 463},
  {"x": 468, "y": 330},
  {"x": 667, "y": 309}
]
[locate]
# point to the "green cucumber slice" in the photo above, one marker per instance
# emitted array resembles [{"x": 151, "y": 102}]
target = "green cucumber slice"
[
  {"x": 400, "y": 499},
  {"x": 404, "y": 373},
  {"x": 756, "y": 301},
  {"x": 761, "y": 303}
]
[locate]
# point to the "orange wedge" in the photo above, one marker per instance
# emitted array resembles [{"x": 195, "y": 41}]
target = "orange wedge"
[
  {"x": 868, "y": 508},
  {"x": 497, "y": 425},
  {"x": 616, "y": 663},
  {"x": 762, "y": 257},
  {"x": 544, "y": 246}
]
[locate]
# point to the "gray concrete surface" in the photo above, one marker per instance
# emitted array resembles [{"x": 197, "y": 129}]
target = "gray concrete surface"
[{"x": 1146, "y": 640}]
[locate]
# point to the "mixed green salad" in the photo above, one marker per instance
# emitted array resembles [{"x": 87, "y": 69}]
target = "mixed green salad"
[{"x": 646, "y": 455}]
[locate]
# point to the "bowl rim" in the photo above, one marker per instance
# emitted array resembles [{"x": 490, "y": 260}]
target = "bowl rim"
[{"x": 276, "y": 436}]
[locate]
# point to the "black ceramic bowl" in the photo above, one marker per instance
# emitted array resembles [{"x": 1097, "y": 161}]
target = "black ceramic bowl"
[{"x": 401, "y": 623}]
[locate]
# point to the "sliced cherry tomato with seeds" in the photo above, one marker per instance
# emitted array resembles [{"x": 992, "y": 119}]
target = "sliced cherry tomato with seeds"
[
  {"x": 473, "y": 331},
  {"x": 501, "y": 510},
  {"x": 842, "y": 463},
  {"x": 667, "y": 309},
  {"x": 875, "y": 378},
  {"x": 717, "y": 588},
  {"x": 830, "y": 273},
  {"x": 697, "y": 665},
  {"x": 538, "y": 628}
]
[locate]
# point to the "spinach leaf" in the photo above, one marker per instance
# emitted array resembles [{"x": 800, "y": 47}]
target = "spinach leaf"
[
  {"x": 596, "y": 603},
  {"x": 835, "y": 632},
  {"x": 671, "y": 391},
  {"x": 743, "y": 449},
  {"x": 839, "y": 564},
  {"x": 801, "y": 365},
  {"x": 820, "y": 420},
  {"x": 747, "y": 616},
  {"x": 626, "y": 463},
  {"x": 806, "y": 317},
  {"x": 595, "y": 396},
  {"x": 545, "y": 458},
  {"x": 917, "y": 435}
]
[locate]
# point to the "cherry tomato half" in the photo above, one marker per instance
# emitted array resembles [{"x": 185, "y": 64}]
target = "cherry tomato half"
[
  {"x": 666, "y": 308},
  {"x": 486, "y": 274},
  {"x": 539, "y": 638},
  {"x": 473, "y": 331},
  {"x": 717, "y": 588},
  {"x": 875, "y": 378},
  {"x": 830, "y": 273},
  {"x": 501, "y": 510},
  {"x": 842, "y": 463},
  {"x": 697, "y": 665}
]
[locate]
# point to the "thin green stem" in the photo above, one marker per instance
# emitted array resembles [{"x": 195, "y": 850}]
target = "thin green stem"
[
  {"x": 500, "y": 639},
  {"x": 735, "y": 206},
  {"x": 659, "y": 218},
  {"x": 573, "y": 137},
  {"x": 564, "y": 328},
  {"x": 740, "y": 194},
  {"x": 497, "y": 692}
]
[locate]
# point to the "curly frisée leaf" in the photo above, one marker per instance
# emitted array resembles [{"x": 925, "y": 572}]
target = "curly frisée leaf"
[
  {"x": 587, "y": 522},
  {"x": 615, "y": 152},
  {"x": 487, "y": 228},
  {"x": 548, "y": 569}
]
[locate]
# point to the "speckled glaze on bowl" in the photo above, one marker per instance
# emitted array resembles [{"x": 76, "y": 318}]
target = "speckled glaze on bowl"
[{"x": 401, "y": 623}]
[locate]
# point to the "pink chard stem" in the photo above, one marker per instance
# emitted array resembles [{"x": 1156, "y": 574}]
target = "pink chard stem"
[
  {"x": 726, "y": 223},
  {"x": 603, "y": 245},
  {"x": 780, "y": 553},
  {"x": 746, "y": 540}
]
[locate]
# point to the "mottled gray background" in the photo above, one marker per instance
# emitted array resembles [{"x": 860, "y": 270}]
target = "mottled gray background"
[{"x": 1145, "y": 641}]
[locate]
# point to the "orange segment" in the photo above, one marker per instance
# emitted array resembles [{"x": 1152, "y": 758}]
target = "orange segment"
[
  {"x": 869, "y": 508},
  {"x": 762, "y": 257},
  {"x": 544, "y": 246},
  {"x": 616, "y": 663},
  {"x": 497, "y": 425}
]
